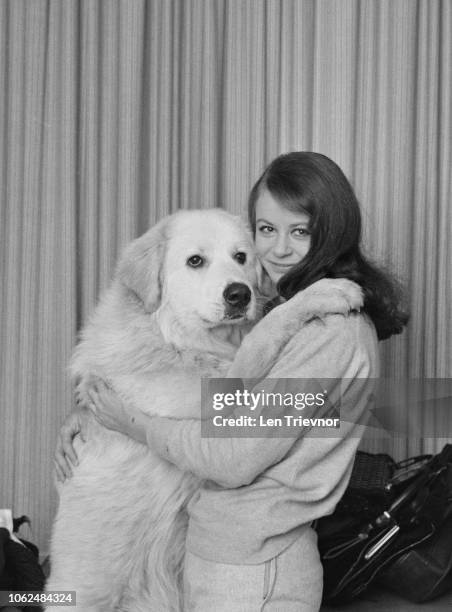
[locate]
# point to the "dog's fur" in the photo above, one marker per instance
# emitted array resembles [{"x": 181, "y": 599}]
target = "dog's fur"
[
  {"x": 118, "y": 538},
  {"x": 119, "y": 535}
]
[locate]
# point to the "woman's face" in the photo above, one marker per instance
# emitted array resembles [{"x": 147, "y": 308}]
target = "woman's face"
[{"x": 282, "y": 237}]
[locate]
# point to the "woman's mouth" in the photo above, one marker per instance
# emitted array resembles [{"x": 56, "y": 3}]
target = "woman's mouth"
[{"x": 282, "y": 266}]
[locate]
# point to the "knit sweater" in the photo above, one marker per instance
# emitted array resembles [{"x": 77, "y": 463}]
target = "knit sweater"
[{"x": 261, "y": 493}]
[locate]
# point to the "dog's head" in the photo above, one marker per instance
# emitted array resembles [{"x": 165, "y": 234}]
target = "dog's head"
[{"x": 199, "y": 263}]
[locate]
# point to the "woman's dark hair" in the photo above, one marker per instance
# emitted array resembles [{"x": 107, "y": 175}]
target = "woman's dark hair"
[{"x": 312, "y": 183}]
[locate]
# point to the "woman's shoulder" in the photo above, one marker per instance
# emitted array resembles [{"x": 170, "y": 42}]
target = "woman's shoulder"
[
  {"x": 354, "y": 329},
  {"x": 313, "y": 321},
  {"x": 352, "y": 325},
  {"x": 335, "y": 345}
]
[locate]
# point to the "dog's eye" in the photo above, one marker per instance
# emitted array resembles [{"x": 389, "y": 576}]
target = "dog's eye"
[
  {"x": 195, "y": 261},
  {"x": 240, "y": 257}
]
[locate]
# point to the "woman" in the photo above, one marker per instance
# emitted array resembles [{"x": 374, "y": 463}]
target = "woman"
[{"x": 250, "y": 545}]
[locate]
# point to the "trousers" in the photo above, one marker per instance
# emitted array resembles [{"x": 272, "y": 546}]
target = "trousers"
[{"x": 290, "y": 582}]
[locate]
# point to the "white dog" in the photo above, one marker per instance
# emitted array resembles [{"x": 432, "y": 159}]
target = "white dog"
[{"x": 181, "y": 300}]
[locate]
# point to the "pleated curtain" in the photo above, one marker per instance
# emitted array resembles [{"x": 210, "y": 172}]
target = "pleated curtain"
[{"x": 114, "y": 113}]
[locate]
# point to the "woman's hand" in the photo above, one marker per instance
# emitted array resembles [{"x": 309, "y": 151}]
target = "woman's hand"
[
  {"x": 65, "y": 456},
  {"x": 105, "y": 405},
  {"x": 110, "y": 412}
]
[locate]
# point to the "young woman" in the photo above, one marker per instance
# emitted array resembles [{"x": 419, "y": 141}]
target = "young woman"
[{"x": 250, "y": 545}]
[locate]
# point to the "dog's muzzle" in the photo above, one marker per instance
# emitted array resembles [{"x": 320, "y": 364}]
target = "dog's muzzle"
[{"x": 237, "y": 297}]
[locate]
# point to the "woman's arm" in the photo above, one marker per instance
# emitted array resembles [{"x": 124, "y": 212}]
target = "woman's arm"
[
  {"x": 178, "y": 441},
  {"x": 325, "y": 296},
  {"x": 229, "y": 461},
  {"x": 320, "y": 350}
]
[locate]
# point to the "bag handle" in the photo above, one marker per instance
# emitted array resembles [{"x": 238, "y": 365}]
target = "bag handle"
[{"x": 430, "y": 471}]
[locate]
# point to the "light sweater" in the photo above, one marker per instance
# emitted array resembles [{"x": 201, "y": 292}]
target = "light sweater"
[{"x": 260, "y": 494}]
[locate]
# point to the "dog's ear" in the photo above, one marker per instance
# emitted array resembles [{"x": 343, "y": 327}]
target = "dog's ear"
[{"x": 140, "y": 266}]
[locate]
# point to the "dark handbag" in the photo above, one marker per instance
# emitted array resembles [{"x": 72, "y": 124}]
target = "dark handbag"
[
  {"x": 412, "y": 507},
  {"x": 425, "y": 571}
]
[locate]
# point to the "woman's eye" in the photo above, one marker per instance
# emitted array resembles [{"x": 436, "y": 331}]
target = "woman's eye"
[
  {"x": 240, "y": 257},
  {"x": 301, "y": 231},
  {"x": 266, "y": 229},
  {"x": 195, "y": 261}
]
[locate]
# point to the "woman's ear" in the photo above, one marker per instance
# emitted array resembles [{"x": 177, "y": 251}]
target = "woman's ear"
[
  {"x": 264, "y": 283},
  {"x": 140, "y": 267}
]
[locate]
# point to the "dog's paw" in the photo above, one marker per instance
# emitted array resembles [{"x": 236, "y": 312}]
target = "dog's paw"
[
  {"x": 325, "y": 297},
  {"x": 329, "y": 296}
]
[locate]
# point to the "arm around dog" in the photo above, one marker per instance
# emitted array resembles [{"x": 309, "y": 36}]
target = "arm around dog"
[
  {"x": 229, "y": 462},
  {"x": 339, "y": 347}
]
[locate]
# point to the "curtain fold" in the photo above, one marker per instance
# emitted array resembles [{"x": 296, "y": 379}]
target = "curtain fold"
[{"x": 114, "y": 113}]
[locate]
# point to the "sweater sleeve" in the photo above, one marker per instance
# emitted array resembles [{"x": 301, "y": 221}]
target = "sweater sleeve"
[{"x": 323, "y": 350}]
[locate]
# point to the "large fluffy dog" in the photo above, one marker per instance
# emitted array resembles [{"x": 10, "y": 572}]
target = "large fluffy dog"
[{"x": 182, "y": 297}]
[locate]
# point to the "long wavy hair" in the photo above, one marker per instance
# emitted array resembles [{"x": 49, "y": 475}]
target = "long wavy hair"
[{"x": 312, "y": 183}]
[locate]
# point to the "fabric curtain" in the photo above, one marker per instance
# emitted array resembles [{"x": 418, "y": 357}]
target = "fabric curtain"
[{"x": 114, "y": 113}]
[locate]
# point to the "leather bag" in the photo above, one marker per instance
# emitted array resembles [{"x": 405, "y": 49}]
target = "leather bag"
[{"x": 405, "y": 528}]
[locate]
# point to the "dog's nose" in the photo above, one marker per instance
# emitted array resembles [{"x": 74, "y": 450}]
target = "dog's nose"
[{"x": 237, "y": 294}]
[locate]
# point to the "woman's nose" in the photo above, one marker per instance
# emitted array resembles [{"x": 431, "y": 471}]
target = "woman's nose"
[{"x": 282, "y": 246}]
